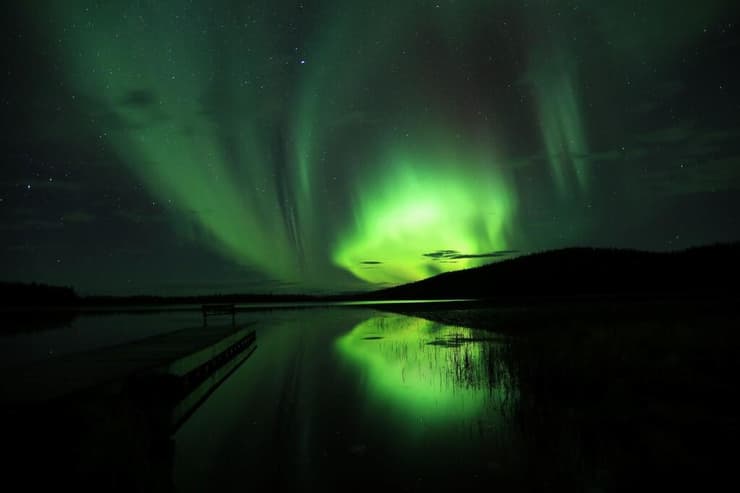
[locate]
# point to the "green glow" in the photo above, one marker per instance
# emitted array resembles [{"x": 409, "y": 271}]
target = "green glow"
[
  {"x": 561, "y": 126},
  {"x": 423, "y": 204},
  {"x": 333, "y": 144},
  {"x": 187, "y": 137},
  {"x": 430, "y": 371}
]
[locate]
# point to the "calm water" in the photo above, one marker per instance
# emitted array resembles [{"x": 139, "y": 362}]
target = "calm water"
[
  {"x": 332, "y": 396},
  {"x": 65, "y": 333},
  {"x": 355, "y": 398},
  {"x": 87, "y": 332}
]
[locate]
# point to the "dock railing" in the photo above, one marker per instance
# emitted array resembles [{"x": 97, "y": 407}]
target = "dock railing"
[{"x": 218, "y": 309}]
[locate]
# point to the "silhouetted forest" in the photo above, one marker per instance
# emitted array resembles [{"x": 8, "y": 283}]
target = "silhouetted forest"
[
  {"x": 703, "y": 270},
  {"x": 186, "y": 300},
  {"x": 30, "y": 295},
  {"x": 33, "y": 294},
  {"x": 568, "y": 272}
]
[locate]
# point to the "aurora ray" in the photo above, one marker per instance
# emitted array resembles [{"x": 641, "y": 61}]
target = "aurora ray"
[{"x": 333, "y": 145}]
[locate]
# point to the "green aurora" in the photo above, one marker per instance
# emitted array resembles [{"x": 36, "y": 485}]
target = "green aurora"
[
  {"x": 335, "y": 144},
  {"x": 429, "y": 371},
  {"x": 424, "y": 202}
]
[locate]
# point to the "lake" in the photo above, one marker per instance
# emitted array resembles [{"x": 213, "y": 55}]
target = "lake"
[
  {"x": 335, "y": 395},
  {"x": 560, "y": 398}
]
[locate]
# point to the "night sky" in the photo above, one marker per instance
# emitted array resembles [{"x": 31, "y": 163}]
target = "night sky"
[{"x": 184, "y": 147}]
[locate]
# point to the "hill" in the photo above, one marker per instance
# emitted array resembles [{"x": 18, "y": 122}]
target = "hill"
[{"x": 706, "y": 270}]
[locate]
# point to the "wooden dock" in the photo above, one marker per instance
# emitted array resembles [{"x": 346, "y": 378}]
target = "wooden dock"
[
  {"x": 177, "y": 354},
  {"x": 218, "y": 309},
  {"x": 104, "y": 419}
]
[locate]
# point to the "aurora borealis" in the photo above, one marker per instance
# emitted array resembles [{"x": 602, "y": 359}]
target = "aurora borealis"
[
  {"x": 187, "y": 146},
  {"x": 429, "y": 371}
]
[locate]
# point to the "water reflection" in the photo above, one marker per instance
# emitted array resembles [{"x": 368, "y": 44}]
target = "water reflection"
[
  {"x": 27, "y": 340},
  {"x": 428, "y": 370},
  {"x": 583, "y": 398},
  {"x": 335, "y": 395},
  {"x": 117, "y": 435},
  {"x": 335, "y": 398}
]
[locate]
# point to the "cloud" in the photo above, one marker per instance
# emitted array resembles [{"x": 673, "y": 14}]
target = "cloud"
[
  {"x": 35, "y": 184},
  {"x": 142, "y": 109},
  {"x": 36, "y": 224},
  {"x": 232, "y": 285},
  {"x": 440, "y": 254},
  {"x": 719, "y": 135},
  {"x": 708, "y": 176},
  {"x": 79, "y": 217},
  {"x": 660, "y": 148},
  {"x": 446, "y": 256},
  {"x": 668, "y": 135},
  {"x": 139, "y": 98},
  {"x": 140, "y": 217},
  {"x": 686, "y": 139}
]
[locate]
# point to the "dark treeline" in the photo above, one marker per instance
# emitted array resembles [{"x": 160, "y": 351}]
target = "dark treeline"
[
  {"x": 15, "y": 294},
  {"x": 41, "y": 295},
  {"x": 706, "y": 270},
  {"x": 200, "y": 299}
]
